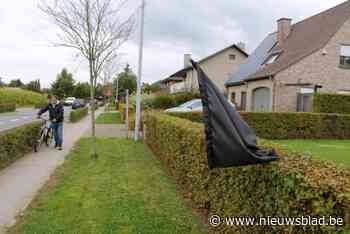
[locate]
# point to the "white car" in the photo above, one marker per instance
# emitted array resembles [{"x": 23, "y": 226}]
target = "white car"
[
  {"x": 194, "y": 105},
  {"x": 69, "y": 101}
]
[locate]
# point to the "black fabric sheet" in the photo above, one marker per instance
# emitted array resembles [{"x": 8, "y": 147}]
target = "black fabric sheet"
[{"x": 230, "y": 141}]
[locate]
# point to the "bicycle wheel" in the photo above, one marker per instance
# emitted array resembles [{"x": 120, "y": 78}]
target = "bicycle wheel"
[
  {"x": 37, "y": 143},
  {"x": 49, "y": 137}
]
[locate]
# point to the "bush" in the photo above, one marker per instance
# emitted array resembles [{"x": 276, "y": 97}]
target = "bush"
[
  {"x": 332, "y": 103},
  {"x": 78, "y": 114},
  {"x": 168, "y": 101},
  {"x": 21, "y": 97},
  {"x": 15, "y": 143},
  {"x": 291, "y": 125},
  {"x": 122, "y": 110},
  {"x": 7, "y": 107},
  {"x": 291, "y": 187}
]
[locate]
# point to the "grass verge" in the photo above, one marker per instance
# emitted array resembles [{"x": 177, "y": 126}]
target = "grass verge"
[
  {"x": 109, "y": 118},
  {"x": 123, "y": 191}
]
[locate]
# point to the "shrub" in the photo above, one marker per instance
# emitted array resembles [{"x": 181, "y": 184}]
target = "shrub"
[
  {"x": 332, "y": 103},
  {"x": 291, "y": 125},
  {"x": 21, "y": 97},
  {"x": 15, "y": 143},
  {"x": 168, "y": 101},
  {"x": 291, "y": 187},
  {"x": 7, "y": 107},
  {"x": 122, "y": 110},
  {"x": 78, "y": 114}
]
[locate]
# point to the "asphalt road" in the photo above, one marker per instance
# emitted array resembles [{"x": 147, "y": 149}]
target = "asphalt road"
[{"x": 23, "y": 116}]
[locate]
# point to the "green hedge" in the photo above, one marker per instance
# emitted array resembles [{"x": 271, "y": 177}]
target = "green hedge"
[
  {"x": 78, "y": 114},
  {"x": 291, "y": 125},
  {"x": 7, "y": 107},
  {"x": 292, "y": 187},
  {"x": 15, "y": 143},
  {"x": 168, "y": 101},
  {"x": 332, "y": 103},
  {"x": 122, "y": 110}
]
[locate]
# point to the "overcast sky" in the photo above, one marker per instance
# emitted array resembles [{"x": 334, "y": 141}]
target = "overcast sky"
[{"x": 172, "y": 28}]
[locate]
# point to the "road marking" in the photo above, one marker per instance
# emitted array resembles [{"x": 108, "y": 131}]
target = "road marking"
[
  {"x": 25, "y": 117},
  {"x": 14, "y": 120}
]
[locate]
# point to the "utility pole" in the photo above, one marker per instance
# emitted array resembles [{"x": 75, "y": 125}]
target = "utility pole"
[{"x": 138, "y": 91}]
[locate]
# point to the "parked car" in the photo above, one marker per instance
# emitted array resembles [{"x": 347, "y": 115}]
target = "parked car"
[
  {"x": 69, "y": 101},
  {"x": 78, "y": 103},
  {"x": 190, "y": 106}
]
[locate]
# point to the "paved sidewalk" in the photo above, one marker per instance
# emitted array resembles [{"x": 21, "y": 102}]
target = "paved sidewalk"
[
  {"x": 20, "y": 182},
  {"x": 110, "y": 131}
]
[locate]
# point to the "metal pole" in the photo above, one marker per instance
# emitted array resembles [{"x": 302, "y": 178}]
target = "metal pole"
[
  {"x": 138, "y": 92},
  {"x": 127, "y": 113}
]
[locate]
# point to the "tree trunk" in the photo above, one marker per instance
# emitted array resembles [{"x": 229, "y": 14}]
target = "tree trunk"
[{"x": 93, "y": 127}]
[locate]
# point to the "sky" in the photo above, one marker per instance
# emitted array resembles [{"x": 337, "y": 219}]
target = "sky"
[{"x": 172, "y": 28}]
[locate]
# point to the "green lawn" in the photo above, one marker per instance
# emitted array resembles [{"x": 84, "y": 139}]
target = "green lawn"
[
  {"x": 335, "y": 150},
  {"x": 109, "y": 118},
  {"x": 123, "y": 191}
]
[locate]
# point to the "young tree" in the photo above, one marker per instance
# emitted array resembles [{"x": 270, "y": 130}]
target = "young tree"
[
  {"x": 96, "y": 29},
  {"x": 63, "y": 85}
]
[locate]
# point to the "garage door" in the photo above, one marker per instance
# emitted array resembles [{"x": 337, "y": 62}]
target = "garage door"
[{"x": 261, "y": 99}]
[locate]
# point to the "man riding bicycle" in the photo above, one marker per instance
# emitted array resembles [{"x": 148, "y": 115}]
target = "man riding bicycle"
[{"x": 56, "y": 113}]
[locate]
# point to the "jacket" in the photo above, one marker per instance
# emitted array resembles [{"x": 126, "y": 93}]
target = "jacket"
[{"x": 56, "y": 112}]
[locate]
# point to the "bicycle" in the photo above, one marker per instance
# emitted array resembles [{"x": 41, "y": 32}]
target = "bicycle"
[{"x": 46, "y": 135}]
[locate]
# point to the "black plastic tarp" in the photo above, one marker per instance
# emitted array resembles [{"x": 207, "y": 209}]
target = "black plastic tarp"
[{"x": 230, "y": 141}]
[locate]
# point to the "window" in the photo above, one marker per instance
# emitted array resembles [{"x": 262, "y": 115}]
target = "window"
[
  {"x": 345, "y": 56},
  {"x": 243, "y": 101},
  {"x": 233, "y": 98},
  {"x": 271, "y": 59},
  {"x": 232, "y": 56}
]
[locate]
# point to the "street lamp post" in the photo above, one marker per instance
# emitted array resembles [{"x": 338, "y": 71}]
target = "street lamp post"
[{"x": 138, "y": 91}]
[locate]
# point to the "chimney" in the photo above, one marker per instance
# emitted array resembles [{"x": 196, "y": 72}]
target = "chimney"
[
  {"x": 241, "y": 45},
  {"x": 187, "y": 60},
  {"x": 284, "y": 27}
]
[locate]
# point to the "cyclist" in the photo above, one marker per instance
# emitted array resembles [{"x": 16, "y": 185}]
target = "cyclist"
[{"x": 56, "y": 113}]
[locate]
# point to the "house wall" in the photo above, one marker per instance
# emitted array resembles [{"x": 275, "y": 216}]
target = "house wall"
[
  {"x": 249, "y": 88},
  {"x": 218, "y": 68},
  {"x": 316, "y": 69}
]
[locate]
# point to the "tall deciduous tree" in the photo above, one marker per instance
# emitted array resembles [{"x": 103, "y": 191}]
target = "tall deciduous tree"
[
  {"x": 126, "y": 80},
  {"x": 95, "y": 28},
  {"x": 63, "y": 85},
  {"x": 34, "y": 86},
  {"x": 82, "y": 90},
  {"x": 16, "y": 83}
]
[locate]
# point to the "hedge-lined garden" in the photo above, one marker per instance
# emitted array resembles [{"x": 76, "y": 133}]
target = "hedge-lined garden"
[
  {"x": 7, "y": 107},
  {"x": 295, "y": 186},
  {"x": 332, "y": 103},
  {"x": 291, "y": 125},
  {"x": 167, "y": 101},
  {"x": 17, "y": 142},
  {"x": 78, "y": 114}
]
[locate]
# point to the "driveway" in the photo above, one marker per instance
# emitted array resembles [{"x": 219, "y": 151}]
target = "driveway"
[{"x": 22, "y": 116}]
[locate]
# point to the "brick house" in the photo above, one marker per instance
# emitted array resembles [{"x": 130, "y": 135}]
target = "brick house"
[
  {"x": 219, "y": 67},
  {"x": 291, "y": 64}
]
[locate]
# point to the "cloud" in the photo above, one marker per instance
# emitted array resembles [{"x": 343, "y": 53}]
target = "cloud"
[{"x": 172, "y": 28}]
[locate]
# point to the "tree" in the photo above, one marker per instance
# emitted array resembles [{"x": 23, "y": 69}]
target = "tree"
[
  {"x": 82, "y": 90},
  {"x": 96, "y": 29},
  {"x": 126, "y": 80},
  {"x": 34, "y": 86},
  {"x": 64, "y": 84},
  {"x": 151, "y": 88},
  {"x": 16, "y": 83}
]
